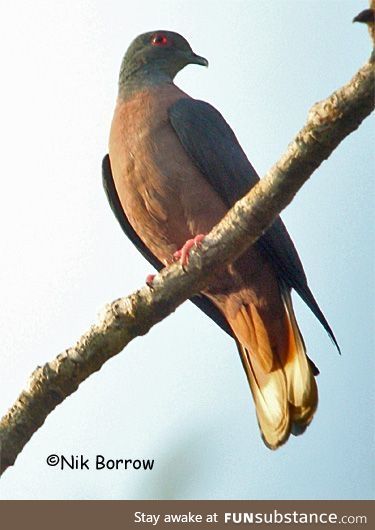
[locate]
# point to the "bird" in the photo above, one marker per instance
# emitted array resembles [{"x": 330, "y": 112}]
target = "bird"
[
  {"x": 367, "y": 16},
  {"x": 173, "y": 169}
]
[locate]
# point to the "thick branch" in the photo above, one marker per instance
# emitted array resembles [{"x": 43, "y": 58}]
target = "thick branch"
[{"x": 329, "y": 122}]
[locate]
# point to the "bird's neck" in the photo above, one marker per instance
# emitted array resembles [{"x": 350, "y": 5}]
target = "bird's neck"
[{"x": 138, "y": 78}]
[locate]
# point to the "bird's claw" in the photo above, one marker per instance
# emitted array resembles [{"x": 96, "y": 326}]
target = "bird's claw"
[
  {"x": 150, "y": 279},
  {"x": 183, "y": 253}
]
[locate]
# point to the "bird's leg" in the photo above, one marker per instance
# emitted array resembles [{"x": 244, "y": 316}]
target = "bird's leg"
[{"x": 183, "y": 253}]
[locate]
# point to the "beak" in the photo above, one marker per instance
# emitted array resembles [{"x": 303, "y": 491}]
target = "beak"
[
  {"x": 367, "y": 16},
  {"x": 197, "y": 59}
]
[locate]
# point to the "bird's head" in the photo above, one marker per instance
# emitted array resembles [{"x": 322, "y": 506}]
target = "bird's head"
[{"x": 157, "y": 56}]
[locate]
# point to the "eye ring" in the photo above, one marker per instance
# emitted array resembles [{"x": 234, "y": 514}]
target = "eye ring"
[{"x": 160, "y": 40}]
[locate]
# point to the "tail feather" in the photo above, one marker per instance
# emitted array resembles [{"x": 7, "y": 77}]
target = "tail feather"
[
  {"x": 302, "y": 388},
  {"x": 281, "y": 376},
  {"x": 270, "y": 397}
]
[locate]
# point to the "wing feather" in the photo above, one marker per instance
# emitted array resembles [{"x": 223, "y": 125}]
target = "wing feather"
[{"x": 215, "y": 150}]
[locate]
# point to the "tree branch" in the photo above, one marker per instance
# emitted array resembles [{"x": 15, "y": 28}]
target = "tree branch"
[{"x": 329, "y": 122}]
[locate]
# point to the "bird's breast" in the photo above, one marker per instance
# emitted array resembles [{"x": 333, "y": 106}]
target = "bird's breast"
[{"x": 164, "y": 196}]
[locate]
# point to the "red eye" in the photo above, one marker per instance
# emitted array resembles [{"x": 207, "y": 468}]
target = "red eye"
[{"x": 159, "y": 40}]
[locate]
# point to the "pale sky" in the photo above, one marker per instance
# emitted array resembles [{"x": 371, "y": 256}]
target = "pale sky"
[{"x": 179, "y": 395}]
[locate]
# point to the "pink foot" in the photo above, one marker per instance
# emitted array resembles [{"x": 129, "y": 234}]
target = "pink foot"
[
  {"x": 183, "y": 253},
  {"x": 150, "y": 279}
]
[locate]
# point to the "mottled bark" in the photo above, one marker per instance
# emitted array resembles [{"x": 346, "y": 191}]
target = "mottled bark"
[{"x": 329, "y": 122}]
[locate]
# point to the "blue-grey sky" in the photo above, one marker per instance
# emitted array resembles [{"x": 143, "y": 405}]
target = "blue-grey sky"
[{"x": 179, "y": 395}]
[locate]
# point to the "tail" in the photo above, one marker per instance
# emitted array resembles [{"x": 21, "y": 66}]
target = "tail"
[{"x": 281, "y": 376}]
